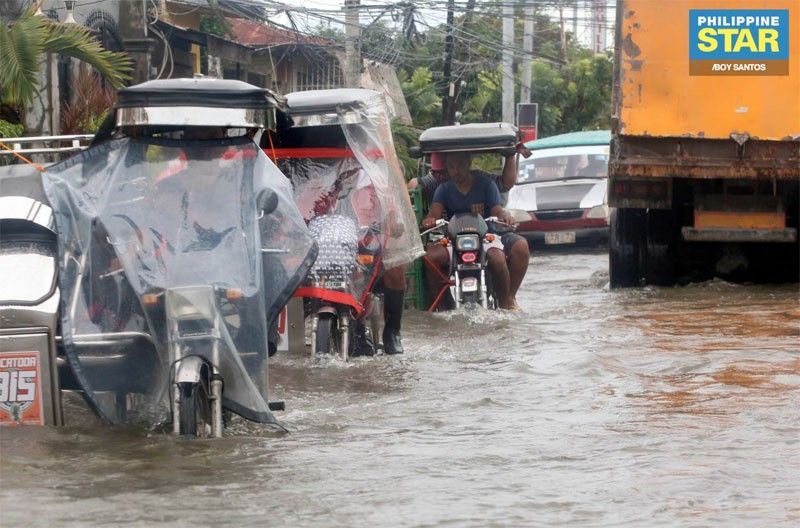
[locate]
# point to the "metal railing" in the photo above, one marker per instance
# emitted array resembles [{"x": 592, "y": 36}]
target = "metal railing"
[{"x": 46, "y": 144}]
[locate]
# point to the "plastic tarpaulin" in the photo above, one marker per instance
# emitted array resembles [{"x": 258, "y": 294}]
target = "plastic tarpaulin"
[
  {"x": 144, "y": 223},
  {"x": 355, "y": 201}
]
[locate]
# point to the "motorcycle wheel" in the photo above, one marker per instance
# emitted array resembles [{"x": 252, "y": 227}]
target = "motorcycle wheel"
[
  {"x": 470, "y": 298},
  {"x": 326, "y": 341},
  {"x": 195, "y": 410}
]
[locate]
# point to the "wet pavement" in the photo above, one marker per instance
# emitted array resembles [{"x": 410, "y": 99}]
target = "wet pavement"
[{"x": 648, "y": 407}]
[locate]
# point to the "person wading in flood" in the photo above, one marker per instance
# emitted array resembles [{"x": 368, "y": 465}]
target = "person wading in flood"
[{"x": 515, "y": 247}]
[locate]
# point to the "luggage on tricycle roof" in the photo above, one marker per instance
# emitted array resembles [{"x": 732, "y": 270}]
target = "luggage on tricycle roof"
[{"x": 473, "y": 137}]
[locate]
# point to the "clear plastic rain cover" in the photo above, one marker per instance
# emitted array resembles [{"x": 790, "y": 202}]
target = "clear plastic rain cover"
[
  {"x": 355, "y": 202},
  {"x": 163, "y": 253}
]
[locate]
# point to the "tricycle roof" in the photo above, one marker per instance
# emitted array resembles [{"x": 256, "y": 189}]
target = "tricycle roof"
[
  {"x": 327, "y": 101},
  {"x": 470, "y": 137},
  {"x": 215, "y": 93}
]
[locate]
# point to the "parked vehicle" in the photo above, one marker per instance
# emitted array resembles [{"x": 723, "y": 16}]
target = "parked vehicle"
[
  {"x": 705, "y": 156},
  {"x": 167, "y": 228},
  {"x": 563, "y": 185},
  {"x": 29, "y": 301},
  {"x": 338, "y": 154}
]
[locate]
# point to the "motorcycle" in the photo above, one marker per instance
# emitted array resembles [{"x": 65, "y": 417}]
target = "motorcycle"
[
  {"x": 468, "y": 279},
  {"x": 349, "y": 187},
  {"x": 177, "y": 244}
]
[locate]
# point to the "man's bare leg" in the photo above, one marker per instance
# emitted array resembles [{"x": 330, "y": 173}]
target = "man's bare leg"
[
  {"x": 500, "y": 277},
  {"x": 518, "y": 260}
]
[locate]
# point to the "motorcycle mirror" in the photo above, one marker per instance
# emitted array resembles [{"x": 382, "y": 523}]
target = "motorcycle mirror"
[
  {"x": 520, "y": 215},
  {"x": 415, "y": 152},
  {"x": 266, "y": 202}
]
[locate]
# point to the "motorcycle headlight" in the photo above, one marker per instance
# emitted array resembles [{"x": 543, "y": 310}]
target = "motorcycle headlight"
[
  {"x": 598, "y": 211},
  {"x": 467, "y": 243}
]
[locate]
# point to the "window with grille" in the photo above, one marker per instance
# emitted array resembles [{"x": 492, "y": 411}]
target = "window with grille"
[{"x": 318, "y": 74}]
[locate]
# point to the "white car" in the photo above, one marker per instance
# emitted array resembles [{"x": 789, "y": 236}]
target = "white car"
[{"x": 563, "y": 186}]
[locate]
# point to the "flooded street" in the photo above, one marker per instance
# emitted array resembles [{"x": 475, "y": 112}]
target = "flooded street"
[{"x": 590, "y": 407}]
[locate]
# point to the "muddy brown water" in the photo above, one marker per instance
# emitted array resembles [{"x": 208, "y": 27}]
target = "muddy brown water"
[{"x": 648, "y": 407}]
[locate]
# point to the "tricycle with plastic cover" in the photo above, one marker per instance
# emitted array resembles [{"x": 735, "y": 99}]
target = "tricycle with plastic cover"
[
  {"x": 349, "y": 187},
  {"x": 178, "y": 240},
  {"x": 467, "y": 236}
]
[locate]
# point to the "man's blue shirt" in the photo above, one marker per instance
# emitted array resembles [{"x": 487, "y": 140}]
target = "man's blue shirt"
[{"x": 482, "y": 197}]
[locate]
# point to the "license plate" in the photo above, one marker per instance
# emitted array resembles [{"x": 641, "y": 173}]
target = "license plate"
[
  {"x": 470, "y": 284},
  {"x": 560, "y": 237}
]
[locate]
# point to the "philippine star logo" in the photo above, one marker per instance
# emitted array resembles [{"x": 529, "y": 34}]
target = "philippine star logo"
[{"x": 739, "y": 42}]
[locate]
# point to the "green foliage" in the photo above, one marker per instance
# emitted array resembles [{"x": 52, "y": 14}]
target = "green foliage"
[
  {"x": 23, "y": 43},
  {"x": 574, "y": 97},
  {"x": 9, "y": 130},
  {"x": 405, "y": 137},
  {"x": 423, "y": 102},
  {"x": 486, "y": 102}
]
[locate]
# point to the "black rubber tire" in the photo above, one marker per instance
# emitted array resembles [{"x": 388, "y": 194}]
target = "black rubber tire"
[
  {"x": 470, "y": 298},
  {"x": 659, "y": 247},
  {"x": 624, "y": 247},
  {"x": 327, "y": 337},
  {"x": 195, "y": 409}
]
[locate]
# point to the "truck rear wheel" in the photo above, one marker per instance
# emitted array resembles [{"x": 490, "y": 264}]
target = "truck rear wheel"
[
  {"x": 624, "y": 247},
  {"x": 659, "y": 248}
]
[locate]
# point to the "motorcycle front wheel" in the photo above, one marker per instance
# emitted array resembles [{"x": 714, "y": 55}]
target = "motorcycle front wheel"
[{"x": 195, "y": 410}]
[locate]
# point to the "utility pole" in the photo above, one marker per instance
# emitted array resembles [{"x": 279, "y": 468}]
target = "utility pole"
[
  {"x": 508, "y": 62},
  {"x": 527, "y": 46},
  {"x": 352, "y": 44},
  {"x": 563, "y": 33},
  {"x": 449, "y": 87}
]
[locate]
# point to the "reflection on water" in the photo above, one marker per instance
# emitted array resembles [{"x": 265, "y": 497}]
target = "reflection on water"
[{"x": 591, "y": 407}]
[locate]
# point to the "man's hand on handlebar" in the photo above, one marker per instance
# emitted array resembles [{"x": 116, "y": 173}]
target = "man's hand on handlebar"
[
  {"x": 428, "y": 222},
  {"x": 507, "y": 218}
]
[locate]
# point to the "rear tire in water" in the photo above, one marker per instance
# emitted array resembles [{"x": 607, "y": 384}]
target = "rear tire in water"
[
  {"x": 659, "y": 244},
  {"x": 624, "y": 247},
  {"x": 195, "y": 410}
]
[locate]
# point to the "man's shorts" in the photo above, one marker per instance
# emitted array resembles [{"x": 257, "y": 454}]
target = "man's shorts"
[{"x": 508, "y": 240}]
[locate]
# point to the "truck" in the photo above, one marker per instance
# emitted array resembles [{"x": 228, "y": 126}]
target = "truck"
[{"x": 704, "y": 163}]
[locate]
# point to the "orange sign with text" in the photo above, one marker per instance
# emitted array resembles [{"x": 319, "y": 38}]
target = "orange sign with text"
[{"x": 21, "y": 389}]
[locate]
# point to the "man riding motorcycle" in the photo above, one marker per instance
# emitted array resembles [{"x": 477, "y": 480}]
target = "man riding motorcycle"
[
  {"x": 467, "y": 192},
  {"x": 515, "y": 247}
]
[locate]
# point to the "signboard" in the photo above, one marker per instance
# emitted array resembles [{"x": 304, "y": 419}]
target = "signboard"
[
  {"x": 738, "y": 42},
  {"x": 528, "y": 120},
  {"x": 21, "y": 389}
]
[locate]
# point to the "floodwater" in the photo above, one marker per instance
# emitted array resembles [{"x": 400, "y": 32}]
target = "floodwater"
[{"x": 649, "y": 407}]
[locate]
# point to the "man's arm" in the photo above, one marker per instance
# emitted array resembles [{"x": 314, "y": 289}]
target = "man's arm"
[
  {"x": 504, "y": 216},
  {"x": 434, "y": 213},
  {"x": 509, "y": 177}
]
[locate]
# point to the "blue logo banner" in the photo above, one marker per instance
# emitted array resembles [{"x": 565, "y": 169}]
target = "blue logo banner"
[{"x": 739, "y": 34}]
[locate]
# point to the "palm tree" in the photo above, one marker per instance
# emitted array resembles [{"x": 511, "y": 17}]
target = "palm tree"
[{"x": 25, "y": 40}]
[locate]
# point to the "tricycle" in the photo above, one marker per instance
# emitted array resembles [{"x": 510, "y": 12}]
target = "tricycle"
[
  {"x": 178, "y": 242},
  {"x": 349, "y": 187}
]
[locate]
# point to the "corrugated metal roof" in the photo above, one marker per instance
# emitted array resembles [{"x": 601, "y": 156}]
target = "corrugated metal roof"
[{"x": 572, "y": 139}]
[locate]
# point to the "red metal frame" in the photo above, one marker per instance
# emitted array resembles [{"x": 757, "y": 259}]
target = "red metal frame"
[{"x": 446, "y": 283}]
